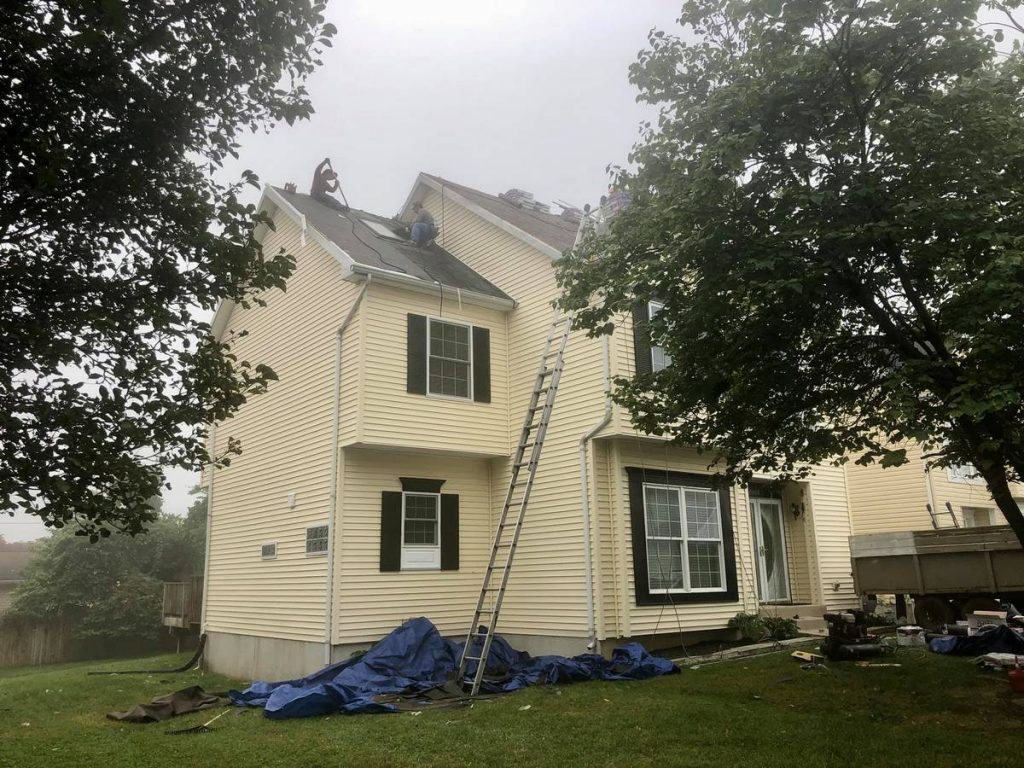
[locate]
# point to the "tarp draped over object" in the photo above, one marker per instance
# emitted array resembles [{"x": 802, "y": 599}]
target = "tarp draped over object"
[
  {"x": 415, "y": 658},
  {"x": 191, "y": 699},
  {"x": 996, "y": 640}
]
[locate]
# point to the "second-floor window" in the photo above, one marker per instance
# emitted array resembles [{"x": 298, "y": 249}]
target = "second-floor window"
[
  {"x": 659, "y": 358},
  {"x": 449, "y": 359}
]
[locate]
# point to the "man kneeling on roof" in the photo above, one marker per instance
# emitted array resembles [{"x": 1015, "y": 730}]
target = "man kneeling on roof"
[{"x": 423, "y": 229}]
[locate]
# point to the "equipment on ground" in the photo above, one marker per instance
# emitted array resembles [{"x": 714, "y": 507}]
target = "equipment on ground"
[
  {"x": 848, "y": 638},
  {"x": 510, "y": 523}
]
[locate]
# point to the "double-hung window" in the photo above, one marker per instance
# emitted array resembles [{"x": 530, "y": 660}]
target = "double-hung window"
[
  {"x": 449, "y": 359},
  {"x": 421, "y": 531},
  {"x": 685, "y": 551},
  {"x": 659, "y": 358}
]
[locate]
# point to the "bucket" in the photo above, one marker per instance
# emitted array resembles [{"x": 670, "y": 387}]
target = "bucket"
[{"x": 1017, "y": 680}]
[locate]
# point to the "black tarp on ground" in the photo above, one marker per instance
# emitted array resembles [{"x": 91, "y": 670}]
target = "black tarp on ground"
[
  {"x": 997, "y": 640},
  {"x": 191, "y": 699}
]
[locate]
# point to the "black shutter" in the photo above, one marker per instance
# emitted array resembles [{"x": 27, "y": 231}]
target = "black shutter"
[
  {"x": 449, "y": 532},
  {"x": 641, "y": 586},
  {"x": 391, "y": 531},
  {"x": 481, "y": 365},
  {"x": 416, "y": 355},
  {"x": 642, "y": 339}
]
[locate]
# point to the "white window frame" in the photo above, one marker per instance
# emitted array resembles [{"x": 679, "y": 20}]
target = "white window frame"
[
  {"x": 421, "y": 557},
  {"x": 263, "y": 555},
  {"x": 431, "y": 319},
  {"x": 327, "y": 538},
  {"x": 973, "y": 511},
  {"x": 653, "y": 308},
  {"x": 685, "y": 539}
]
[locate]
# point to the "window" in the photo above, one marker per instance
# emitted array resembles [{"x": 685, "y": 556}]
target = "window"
[
  {"x": 963, "y": 473},
  {"x": 659, "y": 358},
  {"x": 382, "y": 230},
  {"x": 449, "y": 359},
  {"x": 684, "y": 539},
  {"x": 421, "y": 534},
  {"x": 316, "y": 540},
  {"x": 975, "y": 517},
  {"x": 268, "y": 551}
]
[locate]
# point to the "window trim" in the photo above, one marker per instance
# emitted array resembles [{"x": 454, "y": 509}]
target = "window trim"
[
  {"x": 652, "y": 346},
  {"x": 435, "y": 548},
  {"x": 441, "y": 395},
  {"x": 685, "y": 539},
  {"x": 263, "y": 555},
  {"x": 326, "y": 538},
  {"x": 636, "y": 477}
]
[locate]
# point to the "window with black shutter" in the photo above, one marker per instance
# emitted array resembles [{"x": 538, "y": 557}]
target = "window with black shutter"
[
  {"x": 419, "y": 527},
  {"x": 445, "y": 358}
]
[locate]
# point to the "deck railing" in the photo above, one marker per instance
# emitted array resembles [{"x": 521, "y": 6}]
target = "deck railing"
[{"x": 183, "y": 602}]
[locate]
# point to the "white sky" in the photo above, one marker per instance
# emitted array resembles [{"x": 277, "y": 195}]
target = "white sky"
[{"x": 520, "y": 93}]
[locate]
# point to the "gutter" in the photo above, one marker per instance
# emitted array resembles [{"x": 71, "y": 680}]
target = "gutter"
[
  {"x": 588, "y": 563},
  {"x": 333, "y": 501},
  {"x": 416, "y": 284}
]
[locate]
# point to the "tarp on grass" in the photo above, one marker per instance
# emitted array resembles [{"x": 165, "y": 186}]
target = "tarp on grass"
[
  {"x": 996, "y": 640},
  {"x": 415, "y": 658}
]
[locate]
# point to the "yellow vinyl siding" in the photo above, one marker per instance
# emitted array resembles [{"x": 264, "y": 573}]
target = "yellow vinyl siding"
[
  {"x": 547, "y": 590},
  {"x": 830, "y": 515},
  {"x": 392, "y": 416},
  {"x": 285, "y": 436},
  {"x": 896, "y": 498},
  {"x": 368, "y": 603}
]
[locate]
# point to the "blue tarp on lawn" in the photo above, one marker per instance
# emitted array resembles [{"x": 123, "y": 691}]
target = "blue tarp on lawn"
[
  {"x": 997, "y": 640},
  {"x": 415, "y": 658}
]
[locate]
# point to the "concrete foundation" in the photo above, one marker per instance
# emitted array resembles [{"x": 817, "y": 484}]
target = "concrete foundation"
[{"x": 247, "y": 657}]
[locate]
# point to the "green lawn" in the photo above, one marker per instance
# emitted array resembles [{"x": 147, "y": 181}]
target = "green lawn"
[{"x": 932, "y": 711}]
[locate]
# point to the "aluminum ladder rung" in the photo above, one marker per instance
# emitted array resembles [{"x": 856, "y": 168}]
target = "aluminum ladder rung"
[{"x": 506, "y": 536}]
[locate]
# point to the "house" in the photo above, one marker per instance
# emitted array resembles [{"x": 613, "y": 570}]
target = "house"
[
  {"x": 899, "y": 498},
  {"x": 14, "y": 557},
  {"x": 374, "y": 470}
]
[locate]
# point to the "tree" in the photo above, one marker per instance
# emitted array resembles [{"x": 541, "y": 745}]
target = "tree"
[
  {"x": 115, "y": 239},
  {"x": 831, "y": 209},
  {"x": 111, "y": 589}
]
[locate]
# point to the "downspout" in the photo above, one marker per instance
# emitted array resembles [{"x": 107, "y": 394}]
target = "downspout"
[
  {"x": 588, "y": 563},
  {"x": 209, "y": 529},
  {"x": 333, "y": 500}
]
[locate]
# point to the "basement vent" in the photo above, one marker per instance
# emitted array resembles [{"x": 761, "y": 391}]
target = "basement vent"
[{"x": 268, "y": 551}]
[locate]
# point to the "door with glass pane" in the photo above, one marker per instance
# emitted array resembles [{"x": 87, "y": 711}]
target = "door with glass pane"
[{"x": 770, "y": 540}]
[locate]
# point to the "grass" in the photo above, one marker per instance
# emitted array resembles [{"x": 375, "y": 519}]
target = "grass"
[{"x": 933, "y": 711}]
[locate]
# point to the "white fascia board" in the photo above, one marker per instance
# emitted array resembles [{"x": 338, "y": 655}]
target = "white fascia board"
[
  {"x": 419, "y": 285},
  {"x": 428, "y": 181}
]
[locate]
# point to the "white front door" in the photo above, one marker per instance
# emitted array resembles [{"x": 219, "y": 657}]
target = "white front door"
[{"x": 770, "y": 542}]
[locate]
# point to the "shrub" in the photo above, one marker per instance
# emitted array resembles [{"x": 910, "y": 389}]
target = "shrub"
[
  {"x": 779, "y": 627},
  {"x": 750, "y": 625}
]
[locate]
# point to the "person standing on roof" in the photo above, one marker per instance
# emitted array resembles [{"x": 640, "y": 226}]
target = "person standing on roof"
[{"x": 423, "y": 229}]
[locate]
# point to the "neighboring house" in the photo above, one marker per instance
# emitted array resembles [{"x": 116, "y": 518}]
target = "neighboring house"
[
  {"x": 898, "y": 498},
  {"x": 13, "y": 559},
  {"x": 374, "y": 470}
]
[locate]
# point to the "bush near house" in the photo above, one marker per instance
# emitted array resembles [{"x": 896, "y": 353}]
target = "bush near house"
[{"x": 753, "y": 626}]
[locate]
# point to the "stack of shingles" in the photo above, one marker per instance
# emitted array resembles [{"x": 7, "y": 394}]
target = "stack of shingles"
[{"x": 523, "y": 199}]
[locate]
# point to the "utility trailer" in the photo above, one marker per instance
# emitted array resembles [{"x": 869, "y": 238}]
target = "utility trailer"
[{"x": 949, "y": 572}]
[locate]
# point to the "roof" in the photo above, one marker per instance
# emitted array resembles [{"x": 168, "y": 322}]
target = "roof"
[
  {"x": 549, "y": 228},
  {"x": 348, "y": 231},
  {"x": 12, "y": 563}
]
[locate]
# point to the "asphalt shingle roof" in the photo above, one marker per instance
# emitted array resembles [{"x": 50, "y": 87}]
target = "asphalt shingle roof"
[{"x": 348, "y": 231}]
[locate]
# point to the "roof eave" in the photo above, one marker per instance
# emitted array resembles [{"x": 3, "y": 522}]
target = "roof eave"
[{"x": 464, "y": 295}]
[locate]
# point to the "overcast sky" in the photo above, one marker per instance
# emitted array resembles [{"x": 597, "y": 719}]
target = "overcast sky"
[{"x": 519, "y": 93}]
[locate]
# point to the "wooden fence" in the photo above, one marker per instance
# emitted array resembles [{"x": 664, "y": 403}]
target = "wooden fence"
[{"x": 24, "y": 643}]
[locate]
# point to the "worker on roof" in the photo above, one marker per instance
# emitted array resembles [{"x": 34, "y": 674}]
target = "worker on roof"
[
  {"x": 423, "y": 229},
  {"x": 325, "y": 180}
]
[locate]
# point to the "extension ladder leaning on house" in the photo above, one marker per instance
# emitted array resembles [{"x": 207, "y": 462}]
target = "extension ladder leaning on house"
[{"x": 510, "y": 524}]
